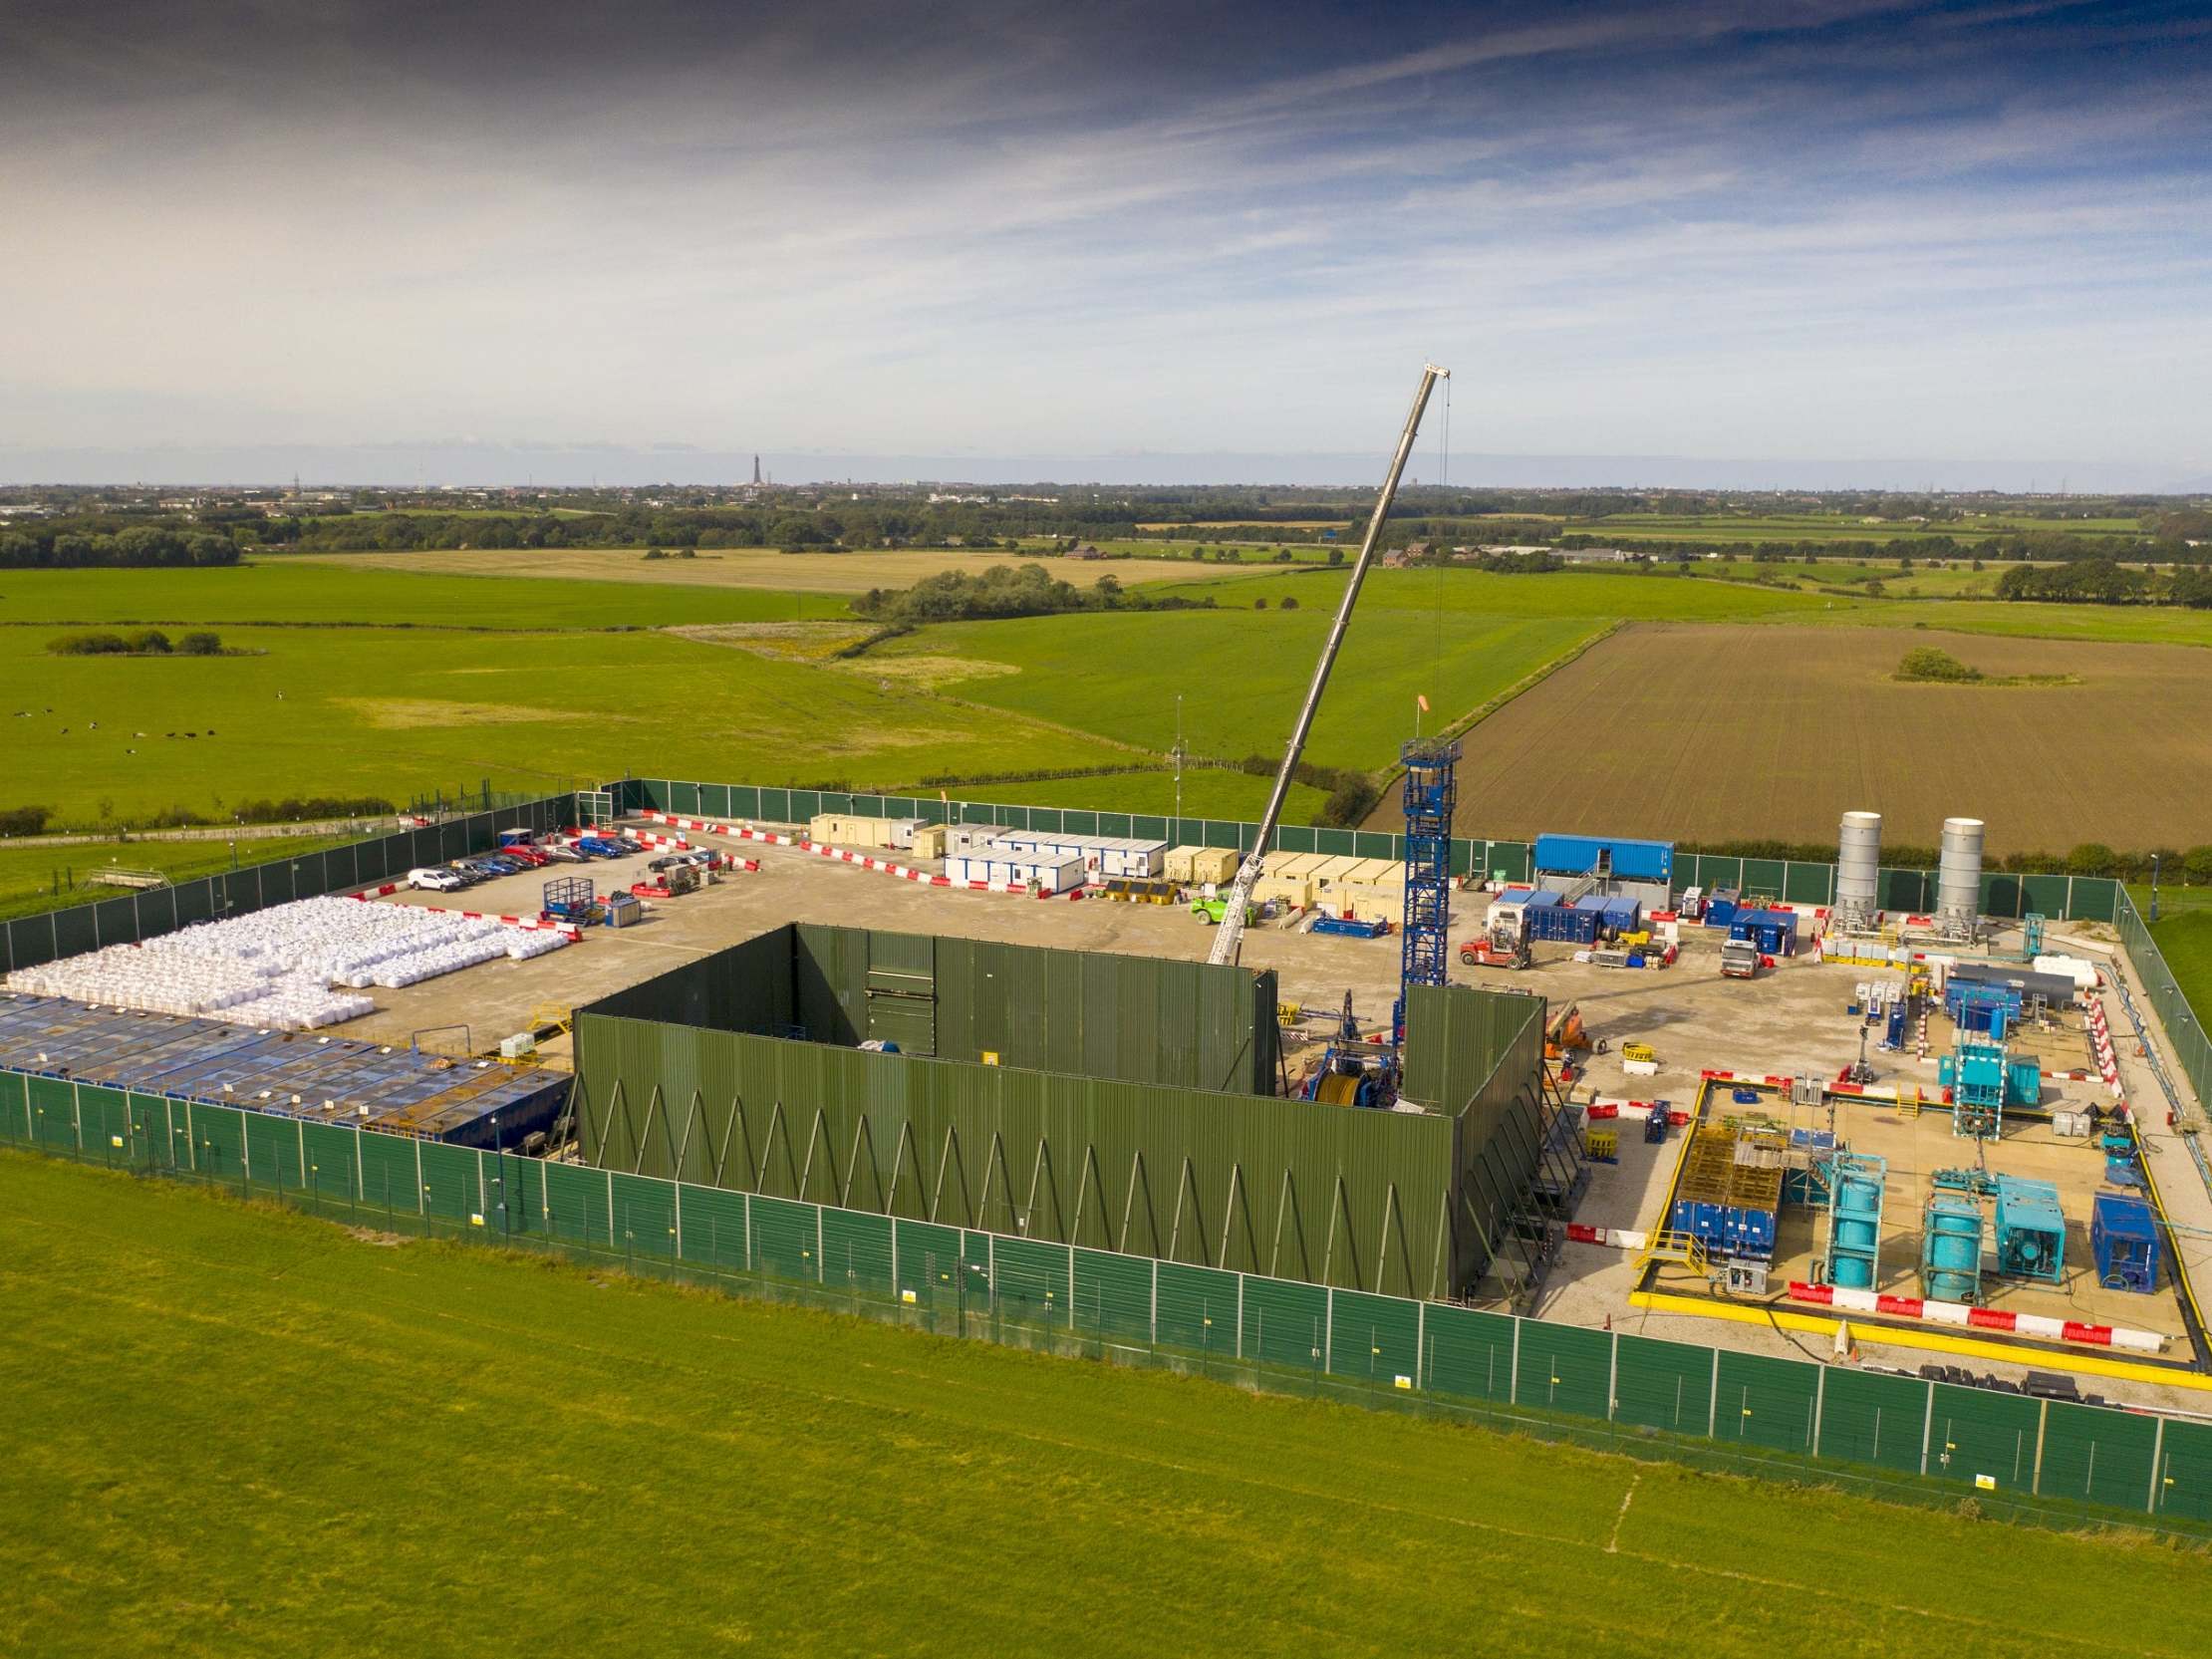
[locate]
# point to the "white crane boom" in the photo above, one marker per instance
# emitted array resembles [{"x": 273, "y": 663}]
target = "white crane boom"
[{"x": 1230, "y": 941}]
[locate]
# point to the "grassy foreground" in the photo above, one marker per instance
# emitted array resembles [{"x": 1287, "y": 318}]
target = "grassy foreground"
[{"x": 234, "y": 1430}]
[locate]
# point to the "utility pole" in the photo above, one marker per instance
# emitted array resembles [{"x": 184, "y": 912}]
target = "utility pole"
[{"x": 1177, "y": 751}]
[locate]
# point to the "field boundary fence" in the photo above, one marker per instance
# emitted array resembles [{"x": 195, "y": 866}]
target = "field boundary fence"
[
  {"x": 2004, "y": 894},
  {"x": 148, "y": 912},
  {"x": 1880, "y": 1433},
  {"x": 2184, "y": 1028}
]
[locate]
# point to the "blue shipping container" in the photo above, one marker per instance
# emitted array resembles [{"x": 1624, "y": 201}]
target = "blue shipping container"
[
  {"x": 1720, "y": 906},
  {"x": 1561, "y": 924},
  {"x": 1584, "y": 855},
  {"x": 1623, "y": 915}
]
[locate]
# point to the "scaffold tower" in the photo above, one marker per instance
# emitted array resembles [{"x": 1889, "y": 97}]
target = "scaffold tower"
[{"x": 1432, "y": 790}]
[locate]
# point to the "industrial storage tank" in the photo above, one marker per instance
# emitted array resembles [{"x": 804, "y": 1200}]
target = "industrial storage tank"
[
  {"x": 1959, "y": 878},
  {"x": 1859, "y": 863}
]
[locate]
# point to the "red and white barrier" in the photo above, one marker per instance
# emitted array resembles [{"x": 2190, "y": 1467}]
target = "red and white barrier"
[
  {"x": 861, "y": 860},
  {"x": 1767, "y": 1079},
  {"x": 1963, "y": 1317},
  {"x": 539, "y": 923},
  {"x": 1635, "y": 1111}
]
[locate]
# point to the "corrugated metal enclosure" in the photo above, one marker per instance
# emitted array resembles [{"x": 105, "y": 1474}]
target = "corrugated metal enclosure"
[{"x": 1116, "y": 1102}]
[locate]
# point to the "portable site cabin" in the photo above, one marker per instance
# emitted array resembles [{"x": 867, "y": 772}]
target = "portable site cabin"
[
  {"x": 1198, "y": 866},
  {"x": 1009, "y": 868}
]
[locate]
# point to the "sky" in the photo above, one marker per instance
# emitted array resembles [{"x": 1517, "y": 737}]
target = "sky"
[{"x": 1817, "y": 239}]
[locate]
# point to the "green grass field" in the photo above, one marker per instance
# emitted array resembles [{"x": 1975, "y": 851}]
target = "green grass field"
[
  {"x": 237, "y": 1431},
  {"x": 1830, "y": 527},
  {"x": 40, "y": 877},
  {"x": 1588, "y": 595},
  {"x": 2123, "y": 623},
  {"x": 2183, "y": 931},
  {"x": 385, "y": 711},
  {"x": 1239, "y": 672},
  {"x": 304, "y": 591}
]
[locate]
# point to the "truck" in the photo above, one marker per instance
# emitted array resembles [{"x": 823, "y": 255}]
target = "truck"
[{"x": 1739, "y": 958}]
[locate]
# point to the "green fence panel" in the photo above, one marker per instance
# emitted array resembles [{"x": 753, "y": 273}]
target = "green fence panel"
[
  {"x": 744, "y": 801},
  {"x": 333, "y": 1163},
  {"x": 1030, "y": 1279},
  {"x": 1470, "y": 1354},
  {"x": 832, "y": 800},
  {"x": 775, "y": 806},
  {"x": 683, "y": 799},
  {"x": 928, "y": 1260},
  {"x": 1515, "y": 858},
  {"x": 1285, "y": 1323},
  {"x": 856, "y": 1251},
  {"x": 1115, "y": 824},
  {"x": 1076, "y": 822},
  {"x": 452, "y": 1182},
  {"x": 714, "y": 1230},
  {"x": 786, "y": 1238},
  {"x": 574, "y": 1204},
  {"x": 1564, "y": 1368},
  {"x": 2097, "y": 1457},
  {"x": 2185, "y": 1471},
  {"x": 219, "y": 1143},
  {"x": 1198, "y": 1309},
  {"x": 1663, "y": 1385},
  {"x": 1807, "y": 884},
  {"x": 511, "y": 1192},
  {"x": 1765, "y": 875},
  {"x": 1973, "y": 1431},
  {"x": 1764, "y": 1401},
  {"x": 2092, "y": 899},
  {"x": 157, "y": 1123},
  {"x": 1374, "y": 844},
  {"x": 15, "y": 1108},
  {"x": 1374, "y": 1337},
  {"x": 273, "y": 1151},
  {"x": 53, "y": 1113},
  {"x": 103, "y": 1124},
  {"x": 1113, "y": 1295},
  {"x": 645, "y": 1214},
  {"x": 1872, "y": 1418},
  {"x": 388, "y": 1174}
]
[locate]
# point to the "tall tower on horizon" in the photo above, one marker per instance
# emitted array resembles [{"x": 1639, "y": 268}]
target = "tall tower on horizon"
[{"x": 756, "y": 469}]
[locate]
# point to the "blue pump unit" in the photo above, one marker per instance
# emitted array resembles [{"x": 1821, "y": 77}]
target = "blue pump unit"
[
  {"x": 1951, "y": 1249},
  {"x": 2123, "y": 1234},
  {"x": 2031, "y": 1229}
]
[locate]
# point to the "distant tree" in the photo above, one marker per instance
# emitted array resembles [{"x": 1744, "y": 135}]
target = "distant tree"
[
  {"x": 201, "y": 645},
  {"x": 1337, "y": 556},
  {"x": 1259, "y": 603},
  {"x": 1289, "y": 601},
  {"x": 2196, "y": 865}
]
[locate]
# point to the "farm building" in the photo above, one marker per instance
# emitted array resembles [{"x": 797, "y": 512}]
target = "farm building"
[{"x": 1122, "y": 1103}]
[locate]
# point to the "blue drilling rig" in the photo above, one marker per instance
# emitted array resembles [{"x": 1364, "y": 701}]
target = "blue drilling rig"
[{"x": 1432, "y": 790}]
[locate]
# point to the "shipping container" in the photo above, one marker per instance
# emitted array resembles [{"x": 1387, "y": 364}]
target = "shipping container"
[
  {"x": 1773, "y": 932},
  {"x": 1560, "y": 924},
  {"x": 1591, "y": 855},
  {"x": 1330, "y": 871}
]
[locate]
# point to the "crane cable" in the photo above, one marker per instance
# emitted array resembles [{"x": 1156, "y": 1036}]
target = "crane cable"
[{"x": 1443, "y": 474}]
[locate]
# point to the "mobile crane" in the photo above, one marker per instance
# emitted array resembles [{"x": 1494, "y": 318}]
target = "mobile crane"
[{"x": 1228, "y": 941}]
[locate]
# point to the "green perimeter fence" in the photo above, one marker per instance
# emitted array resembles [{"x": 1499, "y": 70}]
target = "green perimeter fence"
[
  {"x": 1876, "y": 1433},
  {"x": 145, "y": 913},
  {"x": 2183, "y": 1023},
  {"x": 1790, "y": 881}
]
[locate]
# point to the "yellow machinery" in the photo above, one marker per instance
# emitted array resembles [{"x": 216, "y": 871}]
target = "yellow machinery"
[
  {"x": 1564, "y": 1033},
  {"x": 1289, "y": 1013},
  {"x": 1641, "y": 1052}
]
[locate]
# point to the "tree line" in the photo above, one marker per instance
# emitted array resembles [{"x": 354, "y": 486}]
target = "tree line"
[
  {"x": 2104, "y": 582},
  {"x": 142, "y": 546},
  {"x": 1004, "y": 591}
]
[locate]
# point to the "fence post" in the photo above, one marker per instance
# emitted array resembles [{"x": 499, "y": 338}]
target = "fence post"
[
  {"x": 1612, "y": 1376},
  {"x": 1713, "y": 1403},
  {"x": 1329, "y": 1329},
  {"x": 1420, "y": 1336},
  {"x": 1156, "y": 1303},
  {"x": 1513, "y": 1366},
  {"x": 821, "y": 1269},
  {"x": 2157, "y": 1464},
  {"x": 1927, "y": 1429},
  {"x": 894, "y": 1286},
  {"x": 76, "y": 1115},
  {"x": 1070, "y": 1248},
  {"x": 361, "y": 1169},
  {"x": 675, "y": 1201},
  {"x": 2042, "y": 1420},
  {"x": 609, "y": 1210}
]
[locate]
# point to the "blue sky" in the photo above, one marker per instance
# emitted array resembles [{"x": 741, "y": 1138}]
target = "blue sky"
[{"x": 1822, "y": 231}]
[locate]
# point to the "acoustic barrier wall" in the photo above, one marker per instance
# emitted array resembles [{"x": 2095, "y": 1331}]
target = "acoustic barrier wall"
[{"x": 1887, "y": 1434}]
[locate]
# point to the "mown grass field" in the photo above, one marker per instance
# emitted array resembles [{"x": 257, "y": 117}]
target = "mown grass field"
[
  {"x": 1239, "y": 672},
  {"x": 360, "y": 711},
  {"x": 1832, "y": 527},
  {"x": 2184, "y": 934},
  {"x": 36, "y": 878},
  {"x": 236, "y": 1430},
  {"x": 2119, "y": 624},
  {"x": 1714, "y": 732}
]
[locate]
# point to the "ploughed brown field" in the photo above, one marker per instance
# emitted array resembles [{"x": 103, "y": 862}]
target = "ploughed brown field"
[{"x": 1719, "y": 732}]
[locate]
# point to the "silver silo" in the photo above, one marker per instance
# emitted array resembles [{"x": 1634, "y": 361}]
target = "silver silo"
[
  {"x": 1858, "y": 861},
  {"x": 1959, "y": 878}
]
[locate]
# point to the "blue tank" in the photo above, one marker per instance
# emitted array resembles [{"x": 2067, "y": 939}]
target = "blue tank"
[{"x": 1951, "y": 1250}]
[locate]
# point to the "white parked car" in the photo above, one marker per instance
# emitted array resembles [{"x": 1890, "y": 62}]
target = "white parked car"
[{"x": 436, "y": 881}]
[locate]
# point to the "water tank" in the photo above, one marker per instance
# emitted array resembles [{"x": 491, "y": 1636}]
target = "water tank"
[
  {"x": 1858, "y": 859},
  {"x": 1959, "y": 878},
  {"x": 1951, "y": 1250}
]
